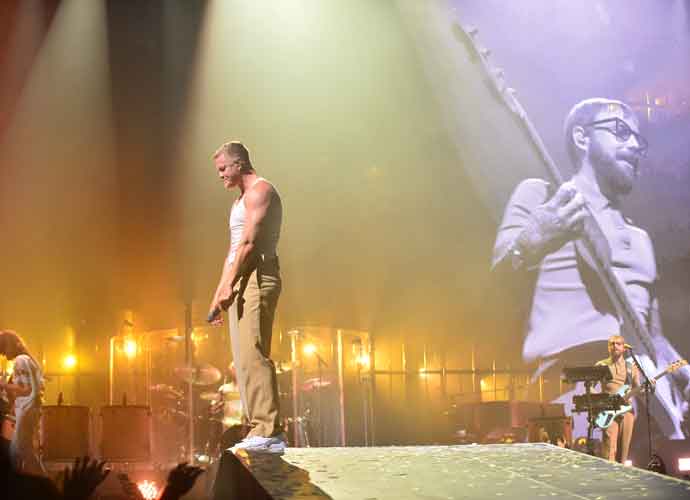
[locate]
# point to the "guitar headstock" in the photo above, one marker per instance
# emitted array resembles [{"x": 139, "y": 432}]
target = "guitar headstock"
[
  {"x": 495, "y": 75},
  {"x": 676, "y": 365}
]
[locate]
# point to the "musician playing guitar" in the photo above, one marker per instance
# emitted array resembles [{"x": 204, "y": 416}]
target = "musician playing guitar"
[
  {"x": 25, "y": 388},
  {"x": 617, "y": 436},
  {"x": 569, "y": 312}
]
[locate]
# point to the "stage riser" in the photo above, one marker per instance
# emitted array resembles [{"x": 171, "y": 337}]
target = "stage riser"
[{"x": 518, "y": 471}]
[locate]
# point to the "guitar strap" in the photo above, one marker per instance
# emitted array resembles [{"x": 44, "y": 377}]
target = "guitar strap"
[{"x": 628, "y": 372}]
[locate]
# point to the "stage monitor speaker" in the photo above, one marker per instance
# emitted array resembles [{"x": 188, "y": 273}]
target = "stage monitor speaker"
[
  {"x": 126, "y": 433},
  {"x": 553, "y": 427},
  {"x": 65, "y": 432},
  {"x": 492, "y": 415}
]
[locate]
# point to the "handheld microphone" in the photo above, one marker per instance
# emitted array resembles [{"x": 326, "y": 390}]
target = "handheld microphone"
[
  {"x": 213, "y": 314},
  {"x": 628, "y": 347}
]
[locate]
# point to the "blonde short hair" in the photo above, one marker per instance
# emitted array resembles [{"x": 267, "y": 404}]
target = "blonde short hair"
[{"x": 235, "y": 149}]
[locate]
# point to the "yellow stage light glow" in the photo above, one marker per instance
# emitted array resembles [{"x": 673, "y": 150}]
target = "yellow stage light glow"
[
  {"x": 8, "y": 366},
  {"x": 69, "y": 361},
  {"x": 130, "y": 348},
  {"x": 198, "y": 337},
  {"x": 309, "y": 349},
  {"x": 363, "y": 360},
  {"x": 148, "y": 489}
]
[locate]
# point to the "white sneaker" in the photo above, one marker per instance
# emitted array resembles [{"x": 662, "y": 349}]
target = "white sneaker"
[{"x": 274, "y": 445}]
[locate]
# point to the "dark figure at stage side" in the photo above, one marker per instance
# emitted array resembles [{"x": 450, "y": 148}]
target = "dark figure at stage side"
[
  {"x": 568, "y": 310},
  {"x": 25, "y": 388},
  {"x": 617, "y": 437},
  {"x": 249, "y": 286}
]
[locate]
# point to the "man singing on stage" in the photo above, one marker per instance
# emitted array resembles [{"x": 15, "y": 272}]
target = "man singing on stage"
[
  {"x": 249, "y": 288},
  {"x": 568, "y": 312}
]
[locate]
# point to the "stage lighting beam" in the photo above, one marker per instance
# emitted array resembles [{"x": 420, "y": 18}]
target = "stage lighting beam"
[
  {"x": 684, "y": 464},
  {"x": 69, "y": 362}
]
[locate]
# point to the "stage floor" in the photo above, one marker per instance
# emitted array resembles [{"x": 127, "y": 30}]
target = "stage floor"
[{"x": 515, "y": 471}]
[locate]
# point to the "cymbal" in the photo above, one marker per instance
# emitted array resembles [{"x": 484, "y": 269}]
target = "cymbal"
[
  {"x": 209, "y": 396},
  {"x": 229, "y": 391},
  {"x": 167, "y": 391},
  {"x": 226, "y": 392},
  {"x": 314, "y": 383},
  {"x": 205, "y": 374},
  {"x": 173, "y": 413}
]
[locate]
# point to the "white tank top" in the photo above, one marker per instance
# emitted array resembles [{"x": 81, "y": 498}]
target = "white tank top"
[{"x": 267, "y": 242}]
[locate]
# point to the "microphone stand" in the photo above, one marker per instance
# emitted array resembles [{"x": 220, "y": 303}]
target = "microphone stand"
[
  {"x": 321, "y": 363},
  {"x": 649, "y": 388},
  {"x": 590, "y": 418}
]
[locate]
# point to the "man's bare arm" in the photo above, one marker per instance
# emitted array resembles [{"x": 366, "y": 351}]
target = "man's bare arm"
[
  {"x": 257, "y": 201},
  {"x": 16, "y": 390}
]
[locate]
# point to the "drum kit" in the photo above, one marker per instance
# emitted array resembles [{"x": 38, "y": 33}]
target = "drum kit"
[
  {"x": 171, "y": 410},
  {"x": 218, "y": 417}
]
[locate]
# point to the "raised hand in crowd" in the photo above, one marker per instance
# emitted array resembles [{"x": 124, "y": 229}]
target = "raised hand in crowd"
[
  {"x": 83, "y": 478},
  {"x": 129, "y": 487},
  {"x": 180, "y": 480}
]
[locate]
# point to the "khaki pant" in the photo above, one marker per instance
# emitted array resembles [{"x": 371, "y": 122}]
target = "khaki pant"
[
  {"x": 251, "y": 323},
  {"x": 617, "y": 437}
]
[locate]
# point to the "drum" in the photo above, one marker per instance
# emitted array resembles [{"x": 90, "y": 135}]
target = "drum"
[
  {"x": 65, "y": 432},
  {"x": 126, "y": 433}
]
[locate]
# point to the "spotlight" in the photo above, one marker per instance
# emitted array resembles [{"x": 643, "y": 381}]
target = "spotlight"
[
  {"x": 130, "y": 348},
  {"x": 198, "y": 337},
  {"x": 69, "y": 361},
  {"x": 684, "y": 464},
  {"x": 148, "y": 489},
  {"x": 309, "y": 349},
  {"x": 628, "y": 463},
  {"x": 363, "y": 360}
]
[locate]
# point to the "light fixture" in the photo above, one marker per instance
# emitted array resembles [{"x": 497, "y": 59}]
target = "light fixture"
[
  {"x": 363, "y": 360},
  {"x": 69, "y": 361},
  {"x": 309, "y": 349},
  {"x": 130, "y": 348},
  {"x": 684, "y": 464},
  {"x": 148, "y": 489}
]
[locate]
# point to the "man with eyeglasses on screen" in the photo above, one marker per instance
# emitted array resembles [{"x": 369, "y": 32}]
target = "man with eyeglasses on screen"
[{"x": 569, "y": 314}]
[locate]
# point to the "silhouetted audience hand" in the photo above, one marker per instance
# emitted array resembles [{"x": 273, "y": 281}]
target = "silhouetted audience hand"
[
  {"x": 81, "y": 480},
  {"x": 129, "y": 487},
  {"x": 180, "y": 480}
]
